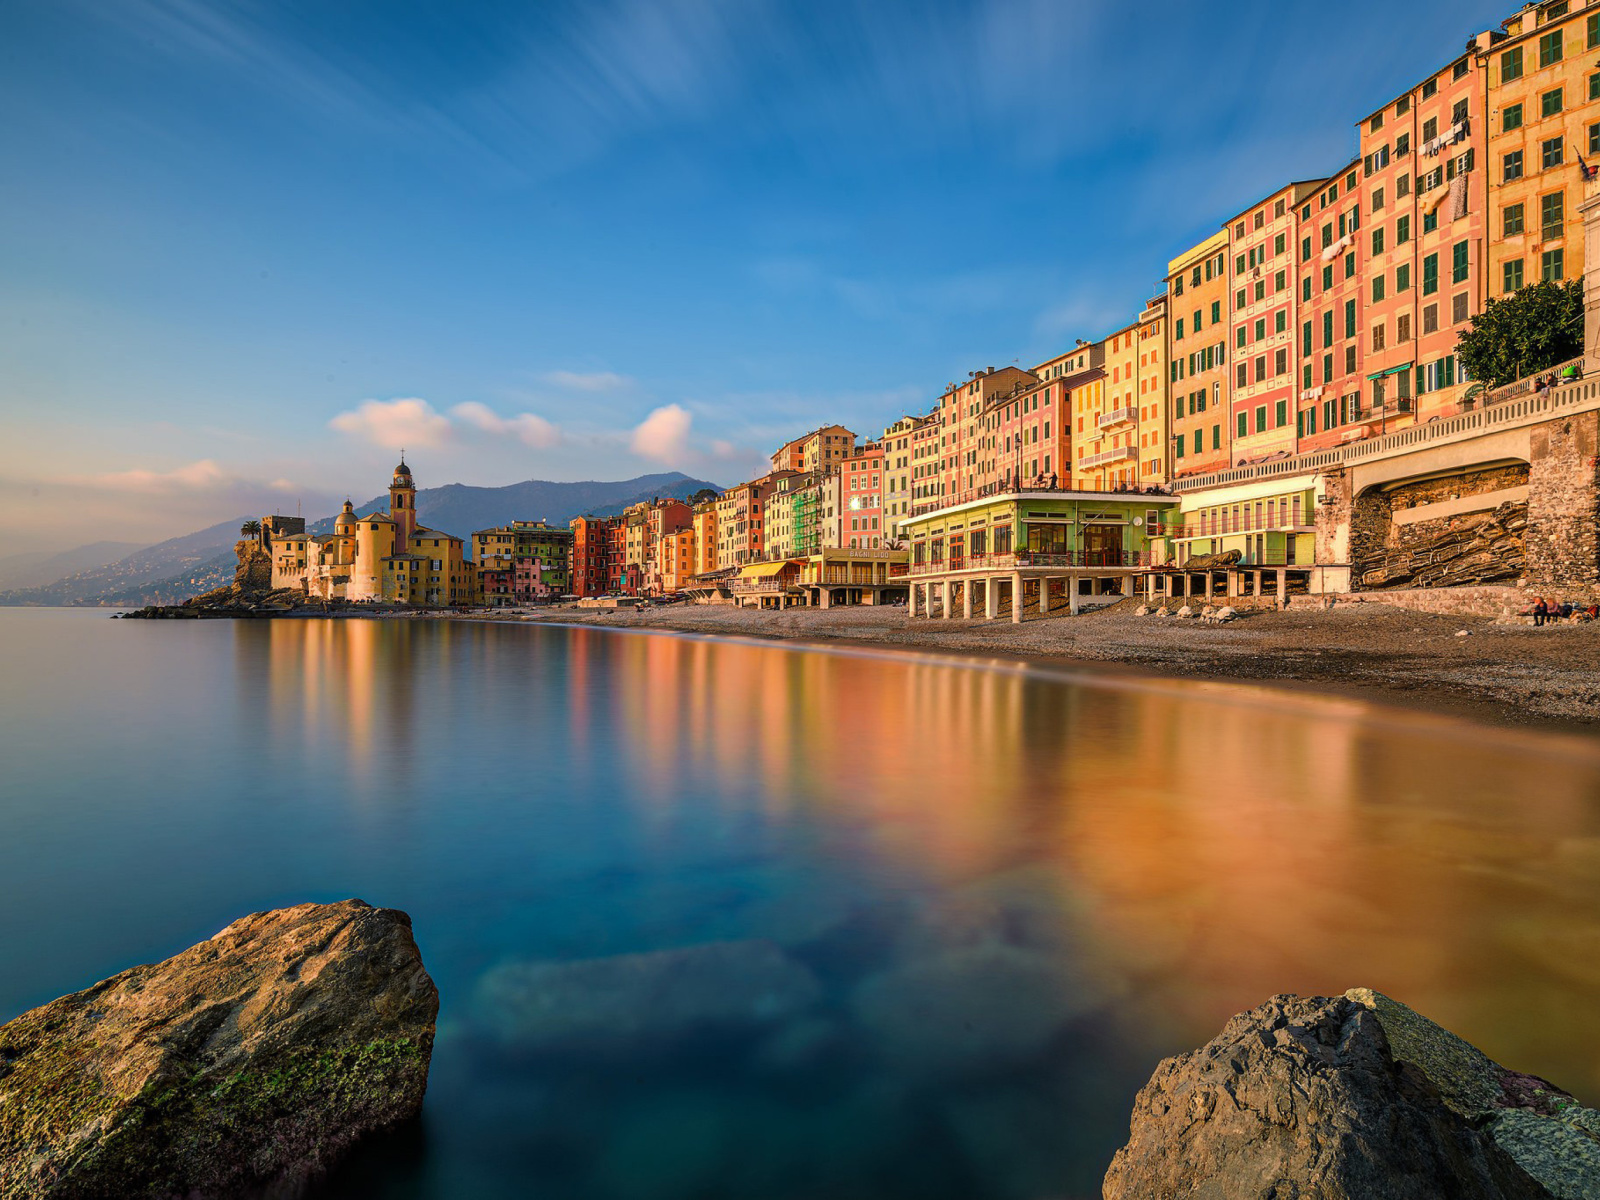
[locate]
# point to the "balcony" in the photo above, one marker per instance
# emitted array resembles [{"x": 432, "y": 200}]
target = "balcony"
[
  {"x": 1117, "y": 416},
  {"x": 1119, "y": 454}
]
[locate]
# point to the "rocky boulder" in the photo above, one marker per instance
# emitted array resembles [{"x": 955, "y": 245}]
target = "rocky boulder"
[
  {"x": 243, "y": 1066},
  {"x": 1350, "y": 1097}
]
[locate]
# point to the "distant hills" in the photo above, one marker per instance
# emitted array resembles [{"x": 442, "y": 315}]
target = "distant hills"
[{"x": 107, "y": 575}]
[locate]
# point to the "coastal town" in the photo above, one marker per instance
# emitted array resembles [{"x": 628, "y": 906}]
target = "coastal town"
[{"x": 1290, "y": 415}]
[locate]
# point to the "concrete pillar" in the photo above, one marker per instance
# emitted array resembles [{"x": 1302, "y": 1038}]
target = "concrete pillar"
[
  {"x": 1074, "y": 597},
  {"x": 1283, "y": 587},
  {"x": 1210, "y": 584},
  {"x": 944, "y": 599},
  {"x": 1589, "y": 208},
  {"x": 911, "y": 599},
  {"x": 1044, "y": 597},
  {"x": 991, "y": 598},
  {"x": 1016, "y": 598},
  {"x": 966, "y": 599},
  {"x": 1150, "y": 588},
  {"x": 1233, "y": 584}
]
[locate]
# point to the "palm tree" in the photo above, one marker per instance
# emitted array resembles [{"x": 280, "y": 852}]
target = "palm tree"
[{"x": 251, "y": 529}]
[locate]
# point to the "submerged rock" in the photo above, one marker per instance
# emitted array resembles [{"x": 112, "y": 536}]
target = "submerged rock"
[
  {"x": 628, "y": 1002},
  {"x": 1350, "y": 1097},
  {"x": 245, "y": 1064}
]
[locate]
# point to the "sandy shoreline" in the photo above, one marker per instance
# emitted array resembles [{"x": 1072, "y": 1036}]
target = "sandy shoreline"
[{"x": 1506, "y": 674}]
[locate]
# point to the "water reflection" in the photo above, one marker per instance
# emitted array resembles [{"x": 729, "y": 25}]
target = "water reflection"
[{"x": 730, "y": 920}]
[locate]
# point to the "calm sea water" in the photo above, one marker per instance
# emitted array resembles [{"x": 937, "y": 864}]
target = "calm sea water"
[{"x": 909, "y": 928}]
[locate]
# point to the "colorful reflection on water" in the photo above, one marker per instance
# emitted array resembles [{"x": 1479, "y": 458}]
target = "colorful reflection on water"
[{"x": 727, "y": 920}]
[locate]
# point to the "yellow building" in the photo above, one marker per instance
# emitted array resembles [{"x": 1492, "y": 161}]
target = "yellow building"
[
  {"x": 705, "y": 537},
  {"x": 1543, "y": 116},
  {"x": 383, "y": 557},
  {"x": 1121, "y": 420},
  {"x": 675, "y": 559}
]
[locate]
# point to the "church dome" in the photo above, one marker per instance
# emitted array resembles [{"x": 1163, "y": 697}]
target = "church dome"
[
  {"x": 347, "y": 516},
  {"x": 402, "y": 471}
]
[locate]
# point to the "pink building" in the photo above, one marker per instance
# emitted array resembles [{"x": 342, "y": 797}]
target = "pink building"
[
  {"x": 862, "y": 523},
  {"x": 1334, "y": 290}
]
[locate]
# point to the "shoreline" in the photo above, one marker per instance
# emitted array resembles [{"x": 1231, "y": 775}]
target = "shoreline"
[{"x": 1505, "y": 675}]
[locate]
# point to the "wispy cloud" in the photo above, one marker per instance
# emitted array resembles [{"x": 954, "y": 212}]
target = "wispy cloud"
[
  {"x": 394, "y": 424},
  {"x": 202, "y": 476},
  {"x": 595, "y": 381},
  {"x": 663, "y": 435},
  {"x": 530, "y": 428}
]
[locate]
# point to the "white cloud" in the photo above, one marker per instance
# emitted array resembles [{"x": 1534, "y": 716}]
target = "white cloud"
[
  {"x": 594, "y": 381},
  {"x": 394, "y": 424},
  {"x": 663, "y": 435},
  {"x": 201, "y": 476},
  {"x": 529, "y": 428}
]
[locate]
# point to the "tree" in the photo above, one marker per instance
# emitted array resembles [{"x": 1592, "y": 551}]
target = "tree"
[
  {"x": 251, "y": 529},
  {"x": 1531, "y": 330}
]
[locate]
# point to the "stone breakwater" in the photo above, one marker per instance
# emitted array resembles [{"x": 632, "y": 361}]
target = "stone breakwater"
[
  {"x": 1348, "y": 1097},
  {"x": 244, "y": 1065}
]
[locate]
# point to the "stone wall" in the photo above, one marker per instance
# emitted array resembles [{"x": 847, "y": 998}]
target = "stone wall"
[
  {"x": 254, "y": 572},
  {"x": 1563, "y": 540},
  {"x": 1394, "y": 543}
]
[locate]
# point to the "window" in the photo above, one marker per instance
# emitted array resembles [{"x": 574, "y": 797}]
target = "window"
[
  {"x": 1430, "y": 275},
  {"x": 1305, "y": 289},
  {"x": 1244, "y": 426},
  {"x": 1350, "y": 265},
  {"x": 1430, "y": 319},
  {"x": 1594, "y": 32},
  {"x": 1430, "y": 221},
  {"x": 1552, "y": 212},
  {"x": 1552, "y": 266},
  {"x": 1594, "y": 138},
  {"x": 1511, "y": 118},
  {"x": 1459, "y": 70},
  {"x": 1349, "y": 318},
  {"x": 1242, "y": 372},
  {"x": 1261, "y": 418},
  {"x": 1327, "y": 278},
  {"x": 1402, "y": 106},
  {"x": 1178, "y": 330},
  {"x": 1261, "y": 291},
  {"x": 1280, "y": 321},
  {"x": 1459, "y": 262},
  {"x": 1377, "y": 240},
  {"x": 1402, "y": 145},
  {"x": 1511, "y": 65},
  {"x": 1550, "y": 103},
  {"x": 1458, "y": 113},
  {"x": 1327, "y": 328},
  {"x": 1281, "y": 414},
  {"x": 1402, "y": 186},
  {"x": 1327, "y": 370},
  {"x": 1377, "y": 123},
  {"x": 1511, "y": 272},
  {"x": 1430, "y": 88},
  {"x": 1430, "y": 129},
  {"x": 1512, "y": 166},
  {"x": 1377, "y": 336},
  {"x": 1552, "y": 152},
  {"x": 1377, "y": 200},
  {"x": 1280, "y": 281},
  {"x": 1260, "y": 330},
  {"x": 1550, "y": 48},
  {"x": 1402, "y": 328},
  {"x": 1280, "y": 363},
  {"x": 1242, "y": 333},
  {"x": 1261, "y": 368},
  {"x": 1511, "y": 220},
  {"x": 1377, "y": 288},
  {"x": 1402, "y": 231},
  {"x": 1458, "y": 309},
  {"x": 1278, "y": 245},
  {"x": 1239, "y": 298},
  {"x": 1216, "y": 312}
]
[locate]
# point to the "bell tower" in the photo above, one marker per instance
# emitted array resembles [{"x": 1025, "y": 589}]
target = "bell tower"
[{"x": 403, "y": 506}]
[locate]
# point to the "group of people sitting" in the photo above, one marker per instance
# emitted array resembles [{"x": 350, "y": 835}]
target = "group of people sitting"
[
  {"x": 1543, "y": 611},
  {"x": 1569, "y": 374}
]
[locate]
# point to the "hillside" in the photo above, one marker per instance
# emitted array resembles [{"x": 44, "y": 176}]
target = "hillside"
[
  {"x": 38, "y": 567},
  {"x": 197, "y": 562}
]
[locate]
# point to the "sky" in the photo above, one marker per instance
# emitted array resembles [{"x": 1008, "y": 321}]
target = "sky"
[{"x": 249, "y": 250}]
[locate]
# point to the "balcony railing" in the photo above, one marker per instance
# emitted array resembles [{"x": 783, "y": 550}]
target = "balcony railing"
[
  {"x": 1116, "y": 454},
  {"x": 1117, "y": 416},
  {"x": 1033, "y": 559},
  {"x": 1061, "y": 484}
]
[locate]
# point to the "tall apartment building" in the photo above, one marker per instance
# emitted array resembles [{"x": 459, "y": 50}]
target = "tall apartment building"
[
  {"x": 1200, "y": 300},
  {"x": 1120, "y": 421},
  {"x": 926, "y": 442},
  {"x": 961, "y": 429},
  {"x": 1025, "y": 437},
  {"x": 590, "y": 573},
  {"x": 815, "y": 451},
  {"x": 705, "y": 537},
  {"x": 740, "y": 524},
  {"x": 1422, "y": 156},
  {"x": 1543, "y": 124},
  {"x": 1265, "y": 316},
  {"x": 861, "y": 479},
  {"x": 897, "y": 443},
  {"x": 1335, "y": 292}
]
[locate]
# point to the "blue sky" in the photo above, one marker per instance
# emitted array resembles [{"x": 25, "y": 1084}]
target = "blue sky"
[{"x": 249, "y": 248}]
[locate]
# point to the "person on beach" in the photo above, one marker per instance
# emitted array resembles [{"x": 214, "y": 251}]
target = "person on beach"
[{"x": 1540, "y": 611}]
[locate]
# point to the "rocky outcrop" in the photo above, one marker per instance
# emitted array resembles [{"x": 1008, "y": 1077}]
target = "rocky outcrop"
[
  {"x": 244, "y": 1064},
  {"x": 250, "y": 594},
  {"x": 1350, "y": 1097},
  {"x": 1480, "y": 548}
]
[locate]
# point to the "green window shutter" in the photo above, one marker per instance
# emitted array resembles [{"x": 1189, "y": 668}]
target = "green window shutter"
[
  {"x": 1550, "y": 49},
  {"x": 1305, "y": 338},
  {"x": 1282, "y": 414},
  {"x": 1402, "y": 278},
  {"x": 1430, "y": 275},
  {"x": 1511, "y": 65},
  {"x": 1327, "y": 328},
  {"x": 1458, "y": 262},
  {"x": 1593, "y": 32},
  {"x": 1244, "y": 425},
  {"x": 1349, "y": 318}
]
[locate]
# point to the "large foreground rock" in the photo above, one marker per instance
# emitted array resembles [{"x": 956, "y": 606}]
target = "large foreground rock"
[
  {"x": 243, "y": 1065},
  {"x": 1346, "y": 1098}
]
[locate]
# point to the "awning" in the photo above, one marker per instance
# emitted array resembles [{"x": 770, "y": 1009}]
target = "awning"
[
  {"x": 763, "y": 570},
  {"x": 1392, "y": 371}
]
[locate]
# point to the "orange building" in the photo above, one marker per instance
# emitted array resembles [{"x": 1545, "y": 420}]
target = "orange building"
[
  {"x": 1334, "y": 292},
  {"x": 1198, "y": 295}
]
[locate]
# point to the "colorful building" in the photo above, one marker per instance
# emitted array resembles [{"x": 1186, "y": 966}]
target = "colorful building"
[
  {"x": 1335, "y": 291},
  {"x": 814, "y": 451},
  {"x": 590, "y": 569},
  {"x": 537, "y": 555},
  {"x": 1120, "y": 418},
  {"x": 1200, "y": 298},
  {"x": 861, "y": 493}
]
